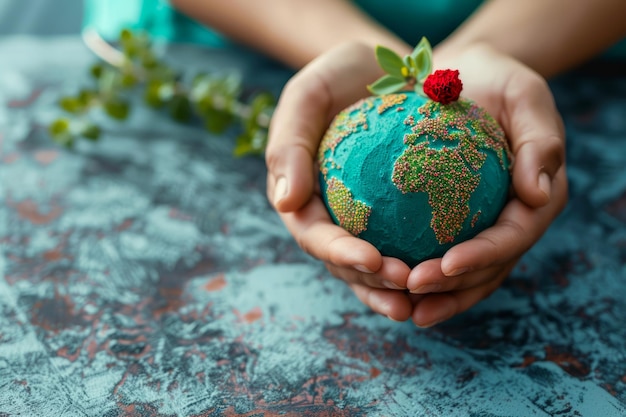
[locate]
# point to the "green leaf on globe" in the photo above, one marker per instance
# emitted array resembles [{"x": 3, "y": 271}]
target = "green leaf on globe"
[
  {"x": 387, "y": 84},
  {"x": 389, "y": 61},
  {"x": 422, "y": 57},
  {"x": 411, "y": 70}
]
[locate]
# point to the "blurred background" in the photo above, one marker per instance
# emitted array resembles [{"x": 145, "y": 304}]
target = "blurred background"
[{"x": 40, "y": 17}]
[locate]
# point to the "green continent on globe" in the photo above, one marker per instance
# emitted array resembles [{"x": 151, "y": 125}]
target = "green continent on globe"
[
  {"x": 351, "y": 214},
  {"x": 413, "y": 176}
]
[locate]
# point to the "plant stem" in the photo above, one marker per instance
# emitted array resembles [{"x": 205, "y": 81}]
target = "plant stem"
[
  {"x": 103, "y": 50},
  {"x": 114, "y": 57}
]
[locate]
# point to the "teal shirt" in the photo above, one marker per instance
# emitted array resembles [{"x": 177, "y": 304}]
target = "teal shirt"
[
  {"x": 109, "y": 17},
  {"x": 409, "y": 19}
]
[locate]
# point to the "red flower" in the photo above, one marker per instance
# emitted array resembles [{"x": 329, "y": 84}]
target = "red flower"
[{"x": 443, "y": 86}]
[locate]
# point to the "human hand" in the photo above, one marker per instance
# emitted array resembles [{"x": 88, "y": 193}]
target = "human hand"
[
  {"x": 522, "y": 103},
  {"x": 307, "y": 105}
]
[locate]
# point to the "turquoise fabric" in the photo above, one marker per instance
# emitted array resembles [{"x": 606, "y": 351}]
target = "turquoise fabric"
[
  {"x": 157, "y": 17},
  {"x": 410, "y": 19}
]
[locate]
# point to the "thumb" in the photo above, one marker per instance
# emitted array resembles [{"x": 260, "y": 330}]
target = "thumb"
[
  {"x": 295, "y": 131},
  {"x": 309, "y": 100},
  {"x": 537, "y": 138}
]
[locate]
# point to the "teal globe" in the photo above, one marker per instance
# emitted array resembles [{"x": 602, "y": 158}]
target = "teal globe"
[{"x": 412, "y": 176}]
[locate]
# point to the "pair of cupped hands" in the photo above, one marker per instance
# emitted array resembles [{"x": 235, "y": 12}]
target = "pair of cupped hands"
[{"x": 437, "y": 289}]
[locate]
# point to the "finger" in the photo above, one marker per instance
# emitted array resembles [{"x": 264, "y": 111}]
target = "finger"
[
  {"x": 293, "y": 142},
  {"x": 308, "y": 102},
  {"x": 536, "y": 135},
  {"x": 428, "y": 278},
  {"x": 390, "y": 303},
  {"x": 522, "y": 102},
  {"x": 438, "y": 307},
  {"x": 392, "y": 275},
  {"x": 318, "y": 236},
  {"x": 516, "y": 230}
]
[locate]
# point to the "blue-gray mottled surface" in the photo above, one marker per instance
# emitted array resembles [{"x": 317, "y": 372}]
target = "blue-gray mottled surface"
[{"x": 146, "y": 275}]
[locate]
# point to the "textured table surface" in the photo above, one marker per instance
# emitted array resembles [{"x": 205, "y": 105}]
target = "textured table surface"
[{"x": 146, "y": 275}]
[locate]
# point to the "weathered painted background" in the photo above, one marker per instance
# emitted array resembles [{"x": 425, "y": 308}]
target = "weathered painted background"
[{"x": 147, "y": 276}]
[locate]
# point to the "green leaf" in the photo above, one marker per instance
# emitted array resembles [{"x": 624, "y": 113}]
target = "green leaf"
[
  {"x": 59, "y": 129},
  {"x": 128, "y": 80},
  {"x": 72, "y": 104},
  {"x": 229, "y": 85},
  {"x": 251, "y": 142},
  {"x": 423, "y": 44},
  {"x": 152, "y": 95},
  {"x": 226, "y": 87},
  {"x": 180, "y": 108},
  {"x": 91, "y": 132},
  {"x": 422, "y": 57},
  {"x": 129, "y": 43},
  {"x": 389, "y": 61},
  {"x": 86, "y": 97},
  {"x": 423, "y": 66},
  {"x": 59, "y": 126},
  {"x": 216, "y": 121},
  {"x": 387, "y": 84},
  {"x": 409, "y": 62},
  {"x": 108, "y": 81},
  {"x": 162, "y": 73},
  {"x": 262, "y": 103},
  {"x": 148, "y": 60},
  {"x": 117, "y": 108},
  {"x": 126, "y": 35},
  {"x": 96, "y": 70}
]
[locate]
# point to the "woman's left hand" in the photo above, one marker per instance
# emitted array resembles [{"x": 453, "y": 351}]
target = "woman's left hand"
[{"x": 522, "y": 102}]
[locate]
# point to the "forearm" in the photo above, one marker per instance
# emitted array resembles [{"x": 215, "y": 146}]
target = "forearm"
[
  {"x": 550, "y": 36},
  {"x": 292, "y": 31}
]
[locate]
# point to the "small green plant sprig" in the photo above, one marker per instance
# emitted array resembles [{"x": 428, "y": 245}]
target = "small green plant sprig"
[
  {"x": 209, "y": 98},
  {"x": 410, "y": 71}
]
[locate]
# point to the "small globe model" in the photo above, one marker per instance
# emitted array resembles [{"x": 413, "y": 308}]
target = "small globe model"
[{"x": 413, "y": 176}]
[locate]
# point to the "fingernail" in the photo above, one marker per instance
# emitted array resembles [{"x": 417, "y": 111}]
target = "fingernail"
[
  {"x": 425, "y": 289},
  {"x": 439, "y": 319},
  {"x": 280, "y": 190},
  {"x": 363, "y": 268},
  {"x": 431, "y": 324},
  {"x": 391, "y": 285},
  {"x": 545, "y": 184},
  {"x": 456, "y": 272}
]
